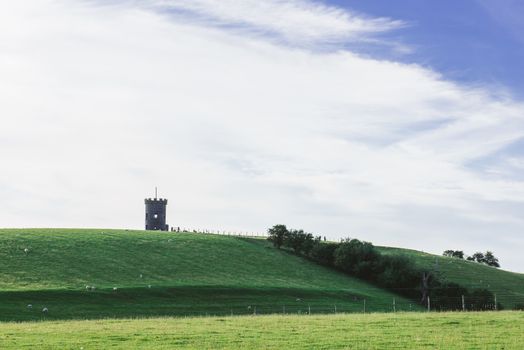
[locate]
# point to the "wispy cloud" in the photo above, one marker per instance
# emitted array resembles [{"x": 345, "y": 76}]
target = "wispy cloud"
[
  {"x": 101, "y": 103},
  {"x": 300, "y": 22}
]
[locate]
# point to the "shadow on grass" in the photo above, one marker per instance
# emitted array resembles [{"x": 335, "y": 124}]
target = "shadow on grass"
[{"x": 175, "y": 301}]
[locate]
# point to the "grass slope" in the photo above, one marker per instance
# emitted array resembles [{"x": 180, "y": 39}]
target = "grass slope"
[
  {"x": 508, "y": 286},
  {"x": 161, "y": 273},
  {"x": 487, "y": 330}
]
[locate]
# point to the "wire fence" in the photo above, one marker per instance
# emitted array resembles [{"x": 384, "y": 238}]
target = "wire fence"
[
  {"x": 246, "y": 234},
  {"x": 314, "y": 309}
]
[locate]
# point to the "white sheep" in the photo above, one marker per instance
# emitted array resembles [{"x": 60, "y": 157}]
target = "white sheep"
[
  {"x": 115, "y": 288},
  {"x": 93, "y": 287},
  {"x": 149, "y": 286},
  {"x": 88, "y": 287},
  {"x": 45, "y": 310},
  {"x": 141, "y": 276},
  {"x": 26, "y": 250},
  {"x": 29, "y": 306}
]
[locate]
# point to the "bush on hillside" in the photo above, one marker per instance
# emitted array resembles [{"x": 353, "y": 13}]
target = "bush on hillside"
[
  {"x": 448, "y": 297},
  {"x": 324, "y": 253},
  {"x": 277, "y": 235},
  {"x": 357, "y": 258},
  {"x": 480, "y": 300},
  {"x": 396, "y": 273},
  {"x": 488, "y": 258},
  {"x": 518, "y": 307},
  {"x": 454, "y": 253}
]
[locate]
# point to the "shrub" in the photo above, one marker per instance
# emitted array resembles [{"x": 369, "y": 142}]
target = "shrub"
[
  {"x": 454, "y": 253},
  {"x": 357, "y": 258},
  {"x": 277, "y": 235},
  {"x": 480, "y": 300},
  {"x": 518, "y": 307},
  {"x": 398, "y": 273},
  {"x": 323, "y": 253},
  {"x": 448, "y": 296}
]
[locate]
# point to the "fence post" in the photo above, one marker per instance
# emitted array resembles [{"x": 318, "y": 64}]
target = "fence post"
[
  {"x": 429, "y": 304},
  {"x": 394, "y": 306},
  {"x": 463, "y": 304},
  {"x": 335, "y": 308},
  {"x": 495, "y": 302},
  {"x": 364, "y": 305},
  {"x": 309, "y": 309}
]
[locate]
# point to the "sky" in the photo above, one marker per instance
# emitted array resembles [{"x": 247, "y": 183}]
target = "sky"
[{"x": 400, "y": 123}]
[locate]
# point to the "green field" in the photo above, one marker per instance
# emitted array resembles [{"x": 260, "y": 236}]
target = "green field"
[
  {"x": 486, "y": 330},
  {"x": 508, "y": 286},
  {"x": 167, "y": 274}
]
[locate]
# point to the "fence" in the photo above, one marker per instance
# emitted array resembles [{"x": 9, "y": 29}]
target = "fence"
[
  {"x": 365, "y": 306},
  {"x": 246, "y": 234}
]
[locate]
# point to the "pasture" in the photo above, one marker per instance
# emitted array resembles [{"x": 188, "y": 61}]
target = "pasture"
[
  {"x": 74, "y": 273},
  {"x": 485, "y": 330}
]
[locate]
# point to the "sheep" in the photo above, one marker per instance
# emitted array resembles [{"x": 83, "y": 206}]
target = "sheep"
[
  {"x": 26, "y": 250},
  {"x": 88, "y": 287},
  {"x": 149, "y": 286},
  {"x": 141, "y": 276},
  {"x": 93, "y": 287},
  {"x": 29, "y": 306},
  {"x": 115, "y": 289},
  {"x": 45, "y": 310}
]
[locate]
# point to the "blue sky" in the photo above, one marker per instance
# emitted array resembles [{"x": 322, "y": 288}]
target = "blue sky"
[
  {"x": 397, "y": 122},
  {"x": 473, "y": 41}
]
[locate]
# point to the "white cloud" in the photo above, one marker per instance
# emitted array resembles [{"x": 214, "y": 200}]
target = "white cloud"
[
  {"x": 296, "y": 21},
  {"x": 101, "y": 103}
]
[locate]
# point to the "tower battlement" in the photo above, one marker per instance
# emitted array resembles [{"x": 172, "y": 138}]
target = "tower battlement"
[
  {"x": 156, "y": 214},
  {"x": 155, "y": 200}
]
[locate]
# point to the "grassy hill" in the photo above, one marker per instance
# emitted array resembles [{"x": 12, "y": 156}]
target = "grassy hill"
[
  {"x": 508, "y": 286},
  {"x": 162, "y": 273}
]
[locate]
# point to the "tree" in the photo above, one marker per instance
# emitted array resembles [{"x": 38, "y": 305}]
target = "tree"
[
  {"x": 357, "y": 258},
  {"x": 458, "y": 254},
  {"x": 478, "y": 257},
  {"x": 490, "y": 259},
  {"x": 397, "y": 273},
  {"x": 424, "y": 287},
  {"x": 295, "y": 240},
  {"x": 454, "y": 253},
  {"x": 277, "y": 235},
  {"x": 448, "y": 253},
  {"x": 307, "y": 243},
  {"x": 323, "y": 253}
]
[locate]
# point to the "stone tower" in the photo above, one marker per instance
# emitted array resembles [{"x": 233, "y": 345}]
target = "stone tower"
[{"x": 156, "y": 214}]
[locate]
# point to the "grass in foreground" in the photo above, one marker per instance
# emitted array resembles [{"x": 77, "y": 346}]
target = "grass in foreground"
[{"x": 488, "y": 330}]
